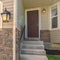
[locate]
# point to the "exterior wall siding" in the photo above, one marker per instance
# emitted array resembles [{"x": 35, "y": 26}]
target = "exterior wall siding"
[
  {"x": 44, "y": 19},
  {"x": 6, "y": 34},
  {"x": 6, "y": 44},
  {"x": 52, "y": 36},
  {"x": 9, "y": 5},
  {"x": 55, "y": 36}
]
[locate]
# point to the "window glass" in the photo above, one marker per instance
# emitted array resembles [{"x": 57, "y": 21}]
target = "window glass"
[
  {"x": 54, "y": 22},
  {"x": 54, "y": 17},
  {"x": 54, "y": 12}
]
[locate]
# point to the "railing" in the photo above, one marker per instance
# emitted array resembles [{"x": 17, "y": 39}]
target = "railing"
[
  {"x": 19, "y": 42},
  {"x": 21, "y": 36},
  {"x": 22, "y": 32}
]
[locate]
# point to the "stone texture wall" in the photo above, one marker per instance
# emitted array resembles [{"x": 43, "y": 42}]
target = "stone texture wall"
[
  {"x": 19, "y": 41},
  {"x": 17, "y": 44},
  {"x": 6, "y": 34},
  {"x": 45, "y": 35},
  {"x": 6, "y": 44},
  {"x": 18, "y": 35}
]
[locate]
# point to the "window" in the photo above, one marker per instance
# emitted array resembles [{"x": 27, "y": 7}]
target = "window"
[{"x": 54, "y": 17}]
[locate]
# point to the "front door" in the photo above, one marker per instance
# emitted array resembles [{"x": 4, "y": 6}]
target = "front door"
[{"x": 33, "y": 24}]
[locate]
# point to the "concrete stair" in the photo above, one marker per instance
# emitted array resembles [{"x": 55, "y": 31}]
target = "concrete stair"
[
  {"x": 32, "y": 46},
  {"x": 33, "y": 42},
  {"x": 33, "y": 50}
]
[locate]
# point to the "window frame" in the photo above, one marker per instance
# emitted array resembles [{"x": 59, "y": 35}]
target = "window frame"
[{"x": 51, "y": 8}]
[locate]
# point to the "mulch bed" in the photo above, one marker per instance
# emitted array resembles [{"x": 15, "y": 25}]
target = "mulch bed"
[{"x": 52, "y": 52}]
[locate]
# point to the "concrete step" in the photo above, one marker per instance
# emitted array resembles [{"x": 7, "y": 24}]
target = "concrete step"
[
  {"x": 32, "y": 39},
  {"x": 32, "y": 57},
  {"x": 33, "y": 51},
  {"x": 31, "y": 46},
  {"x": 33, "y": 42}
]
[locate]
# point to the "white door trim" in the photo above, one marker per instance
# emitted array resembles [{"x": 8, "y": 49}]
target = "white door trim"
[{"x": 39, "y": 14}]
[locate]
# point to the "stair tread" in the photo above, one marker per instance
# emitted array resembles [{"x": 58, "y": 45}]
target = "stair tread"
[
  {"x": 33, "y": 49},
  {"x": 32, "y": 41},
  {"x": 31, "y": 55},
  {"x": 32, "y": 45}
]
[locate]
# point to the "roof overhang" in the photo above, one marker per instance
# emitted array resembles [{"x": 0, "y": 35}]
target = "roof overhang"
[{"x": 38, "y": 3}]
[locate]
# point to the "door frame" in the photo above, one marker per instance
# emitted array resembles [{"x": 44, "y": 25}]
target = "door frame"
[{"x": 39, "y": 14}]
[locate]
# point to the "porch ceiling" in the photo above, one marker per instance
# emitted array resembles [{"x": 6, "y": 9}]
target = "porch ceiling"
[{"x": 38, "y": 3}]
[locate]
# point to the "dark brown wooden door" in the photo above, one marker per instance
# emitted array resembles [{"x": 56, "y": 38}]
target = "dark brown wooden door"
[{"x": 33, "y": 24}]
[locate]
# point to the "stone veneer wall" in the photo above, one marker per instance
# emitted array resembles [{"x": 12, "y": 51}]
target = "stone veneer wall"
[
  {"x": 17, "y": 44},
  {"x": 18, "y": 36},
  {"x": 6, "y": 44},
  {"x": 19, "y": 41},
  {"x": 45, "y": 35}
]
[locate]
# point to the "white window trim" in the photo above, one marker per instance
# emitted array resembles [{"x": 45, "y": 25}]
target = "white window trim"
[{"x": 56, "y": 4}]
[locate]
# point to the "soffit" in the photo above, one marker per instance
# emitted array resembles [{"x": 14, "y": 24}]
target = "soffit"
[{"x": 38, "y": 3}]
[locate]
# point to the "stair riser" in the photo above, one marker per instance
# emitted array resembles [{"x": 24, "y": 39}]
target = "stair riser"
[
  {"x": 33, "y": 52},
  {"x": 33, "y": 47},
  {"x": 33, "y": 42}
]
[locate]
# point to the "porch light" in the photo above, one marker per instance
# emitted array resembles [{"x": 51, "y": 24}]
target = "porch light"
[
  {"x": 43, "y": 10},
  {"x": 6, "y": 15}
]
